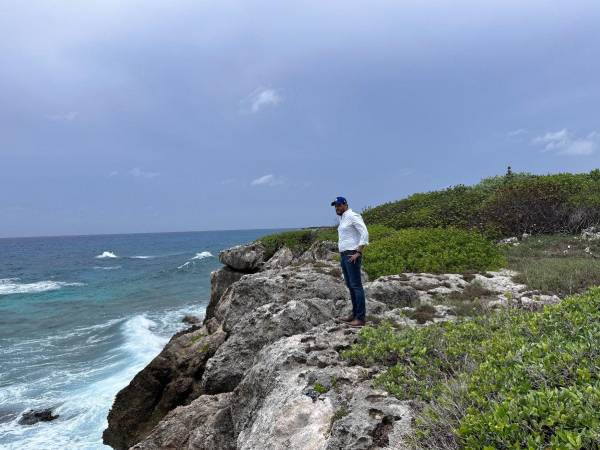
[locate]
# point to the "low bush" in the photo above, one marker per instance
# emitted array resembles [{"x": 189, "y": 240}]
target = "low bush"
[
  {"x": 512, "y": 379},
  {"x": 436, "y": 250}
]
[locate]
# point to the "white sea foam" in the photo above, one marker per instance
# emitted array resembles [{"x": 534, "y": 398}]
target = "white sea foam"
[
  {"x": 107, "y": 254},
  {"x": 143, "y": 257},
  {"x": 203, "y": 255},
  {"x": 107, "y": 267},
  {"x": 82, "y": 395},
  {"x": 12, "y": 286},
  {"x": 198, "y": 256}
]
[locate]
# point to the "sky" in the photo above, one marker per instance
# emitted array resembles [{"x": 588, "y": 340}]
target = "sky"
[{"x": 121, "y": 116}]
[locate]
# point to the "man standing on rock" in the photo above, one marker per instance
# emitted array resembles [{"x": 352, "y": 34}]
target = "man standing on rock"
[{"x": 352, "y": 238}]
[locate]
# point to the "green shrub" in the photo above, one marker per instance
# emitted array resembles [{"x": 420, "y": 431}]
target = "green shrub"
[
  {"x": 319, "y": 388},
  {"x": 435, "y": 250},
  {"x": 501, "y": 206},
  {"x": 378, "y": 232},
  {"x": 544, "y": 204},
  {"x": 300, "y": 240},
  {"x": 457, "y": 206},
  {"x": 509, "y": 380}
]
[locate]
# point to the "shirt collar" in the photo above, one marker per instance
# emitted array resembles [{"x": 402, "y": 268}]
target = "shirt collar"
[{"x": 348, "y": 210}]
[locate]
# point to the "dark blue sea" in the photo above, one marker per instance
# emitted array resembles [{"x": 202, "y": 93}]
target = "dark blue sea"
[{"x": 81, "y": 315}]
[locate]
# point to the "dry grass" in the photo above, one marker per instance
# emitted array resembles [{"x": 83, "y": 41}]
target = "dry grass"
[{"x": 556, "y": 264}]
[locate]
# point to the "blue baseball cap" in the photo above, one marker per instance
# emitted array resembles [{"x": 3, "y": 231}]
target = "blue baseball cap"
[{"x": 339, "y": 201}]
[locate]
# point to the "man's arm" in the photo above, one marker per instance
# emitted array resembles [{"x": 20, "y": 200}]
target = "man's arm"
[{"x": 359, "y": 224}]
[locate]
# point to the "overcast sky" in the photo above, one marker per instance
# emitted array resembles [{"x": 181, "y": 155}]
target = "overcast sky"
[{"x": 139, "y": 116}]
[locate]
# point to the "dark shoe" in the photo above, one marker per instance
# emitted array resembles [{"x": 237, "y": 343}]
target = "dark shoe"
[
  {"x": 357, "y": 323},
  {"x": 347, "y": 319}
]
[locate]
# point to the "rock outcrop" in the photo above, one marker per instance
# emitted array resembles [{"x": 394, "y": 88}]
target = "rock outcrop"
[
  {"x": 220, "y": 280},
  {"x": 264, "y": 369},
  {"x": 35, "y": 416},
  {"x": 170, "y": 380},
  {"x": 245, "y": 258}
]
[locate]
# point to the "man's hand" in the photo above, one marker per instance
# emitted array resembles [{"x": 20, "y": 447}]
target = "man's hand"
[{"x": 354, "y": 257}]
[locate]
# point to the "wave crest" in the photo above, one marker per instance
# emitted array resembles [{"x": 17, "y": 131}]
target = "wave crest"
[
  {"x": 11, "y": 286},
  {"x": 202, "y": 255},
  {"x": 107, "y": 254},
  {"x": 193, "y": 259}
]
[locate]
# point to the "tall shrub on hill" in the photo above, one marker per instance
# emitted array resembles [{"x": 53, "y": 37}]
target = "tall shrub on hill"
[
  {"x": 501, "y": 206},
  {"x": 455, "y": 206},
  {"x": 544, "y": 204}
]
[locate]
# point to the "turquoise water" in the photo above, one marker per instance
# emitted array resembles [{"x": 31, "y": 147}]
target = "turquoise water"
[{"x": 81, "y": 315}]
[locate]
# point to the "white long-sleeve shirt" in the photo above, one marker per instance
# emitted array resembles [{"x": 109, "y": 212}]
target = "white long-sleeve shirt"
[{"x": 352, "y": 231}]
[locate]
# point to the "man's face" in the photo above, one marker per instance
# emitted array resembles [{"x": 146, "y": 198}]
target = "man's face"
[{"x": 339, "y": 209}]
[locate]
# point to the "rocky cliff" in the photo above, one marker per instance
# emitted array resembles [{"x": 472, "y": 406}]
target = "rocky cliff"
[{"x": 264, "y": 370}]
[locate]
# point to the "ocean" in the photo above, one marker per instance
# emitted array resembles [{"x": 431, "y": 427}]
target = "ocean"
[{"x": 81, "y": 315}]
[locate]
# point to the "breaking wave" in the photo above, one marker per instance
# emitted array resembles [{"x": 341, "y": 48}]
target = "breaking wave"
[
  {"x": 197, "y": 257},
  {"x": 107, "y": 254},
  {"x": 12, "y": 286}
]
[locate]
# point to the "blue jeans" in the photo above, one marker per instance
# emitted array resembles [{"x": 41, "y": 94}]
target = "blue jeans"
[{"x": 351, "y": 271}]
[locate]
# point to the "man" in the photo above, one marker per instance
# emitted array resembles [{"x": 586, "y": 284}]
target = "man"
[{"x": 352, "y": 238}]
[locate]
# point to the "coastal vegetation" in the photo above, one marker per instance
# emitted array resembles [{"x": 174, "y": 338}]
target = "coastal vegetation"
[
  {"x": 435, "y": 250},
  {"x": 509, "y": 379},
  {"x": 505, "y": 378},
  {"x": 501, "y": 206}
]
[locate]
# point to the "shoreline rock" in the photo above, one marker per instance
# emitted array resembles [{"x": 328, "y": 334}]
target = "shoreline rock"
[
  {"x": 264, "y": 369},
  {"x": 39, "y": 415}
]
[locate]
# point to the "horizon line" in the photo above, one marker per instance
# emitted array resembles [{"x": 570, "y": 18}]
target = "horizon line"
[{"x": 153, "y": 232}]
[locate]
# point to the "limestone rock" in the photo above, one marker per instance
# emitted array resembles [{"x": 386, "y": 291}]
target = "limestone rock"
[
  {"x": 320, "y": 251},
  {"x": 191, "y": 319},
  {"x": 245, "y": 258},
  {"x": 272, "y": 408},
  {"x": 171, "y": 379},
  {"x": 500, "y": 281},
  {"x": 220, "y": 280},
  {"x": 591, "y": 234},
  {"x": 264, "y": 325},
  {"x": 203, "y": 424},
  {"x": 392, "y": 291},
  {"x": 282, "y": 258},
  {"x": 509, "y": 241},
  {"x": 279, "y": 286}
]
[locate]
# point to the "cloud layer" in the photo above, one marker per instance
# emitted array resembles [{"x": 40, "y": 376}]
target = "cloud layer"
[
  {"x": 267, "y": 180},
  {"x": 564, "y": 142}
]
